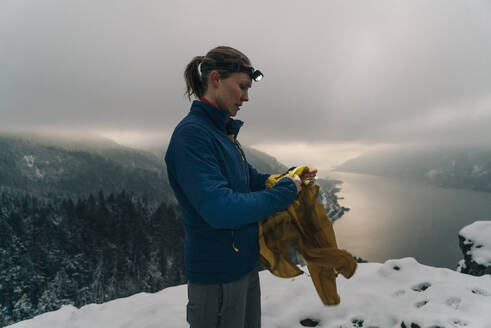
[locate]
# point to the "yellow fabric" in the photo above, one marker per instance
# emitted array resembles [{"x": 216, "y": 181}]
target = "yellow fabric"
[{"x": 304, "y": 225}]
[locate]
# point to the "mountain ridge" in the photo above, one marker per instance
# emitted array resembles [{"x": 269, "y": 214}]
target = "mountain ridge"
[{"x": 449, "y": 167}]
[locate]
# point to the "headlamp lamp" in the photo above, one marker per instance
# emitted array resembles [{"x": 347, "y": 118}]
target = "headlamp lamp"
[{"x": 256, "y": 75}]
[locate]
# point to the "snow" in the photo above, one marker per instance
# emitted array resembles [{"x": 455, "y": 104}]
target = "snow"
[
  {"x": 29, "y": 160},
  {"x": 324, "y": 200},
  {"x": 461, "y": 265},
  {"x": 478, "y": 234},
  {"x": 378, "y": 295},
  {"x": 433, "y": 173},
  {"x": 478, "y": 170},
  {"x": 39, "y": 173}
]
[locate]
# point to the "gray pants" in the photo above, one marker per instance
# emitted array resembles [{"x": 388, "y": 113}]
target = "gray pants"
[{"x": 235, "y": 304}]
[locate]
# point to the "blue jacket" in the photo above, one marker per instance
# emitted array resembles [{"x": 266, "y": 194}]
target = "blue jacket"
[{"x": 221, "y": 196}]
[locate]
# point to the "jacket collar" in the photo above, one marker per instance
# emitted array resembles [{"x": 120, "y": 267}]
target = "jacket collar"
[{"x": 220, "y": 118}]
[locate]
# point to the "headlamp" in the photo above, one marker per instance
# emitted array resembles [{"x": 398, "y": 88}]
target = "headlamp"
[{"x": 256, "y": 75}]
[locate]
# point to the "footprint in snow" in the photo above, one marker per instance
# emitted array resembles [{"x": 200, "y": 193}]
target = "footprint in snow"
[
  {"x": 454, "y": 302},
  {"x": 421, "y": 304},
  {"x": 421, "y": 287},
  {"x": 481, "y": 292},
  {"x": 458, "y": 323},
  {"x": 398, "y": 293}
]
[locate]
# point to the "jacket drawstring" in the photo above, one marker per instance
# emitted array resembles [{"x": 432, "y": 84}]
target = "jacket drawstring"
[{"x": 233, "y": 242}]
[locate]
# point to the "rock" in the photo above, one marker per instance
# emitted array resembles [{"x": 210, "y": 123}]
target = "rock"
[
  {"x": 475, "y": 243},
  {"x": 359, "y": 259}
]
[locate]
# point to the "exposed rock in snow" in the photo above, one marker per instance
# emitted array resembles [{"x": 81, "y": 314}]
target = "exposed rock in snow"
[
  {"x": 475, "y": 242},
  {"x": 398, "y": 293}
]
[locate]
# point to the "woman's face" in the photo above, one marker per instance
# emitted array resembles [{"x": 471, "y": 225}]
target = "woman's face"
[{"x": 232, "y": 92}]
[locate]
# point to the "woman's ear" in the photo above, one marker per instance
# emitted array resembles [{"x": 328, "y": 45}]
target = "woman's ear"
[{"x": 214, "y": 78}]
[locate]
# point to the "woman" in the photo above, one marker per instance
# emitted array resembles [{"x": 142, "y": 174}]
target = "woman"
[{"x": 221, "y": 196}]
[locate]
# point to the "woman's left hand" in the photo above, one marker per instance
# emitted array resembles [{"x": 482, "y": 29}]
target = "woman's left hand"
[{"x": 309, "y": 175}]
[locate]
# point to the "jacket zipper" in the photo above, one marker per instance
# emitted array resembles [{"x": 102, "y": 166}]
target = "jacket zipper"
[{"x": 237, "y": 145}]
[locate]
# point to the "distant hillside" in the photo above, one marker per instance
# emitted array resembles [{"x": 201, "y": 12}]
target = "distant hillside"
[
  {"x": 455, "y": 167},
  {"x": 264, "y": 162},
  {"x": 48, "y": 166},
  {"x": 261, "y": 161},
  {"x": 45, "y": 168}
]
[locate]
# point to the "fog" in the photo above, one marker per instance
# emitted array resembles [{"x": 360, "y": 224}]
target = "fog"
[{"x": 341, "y": 77}]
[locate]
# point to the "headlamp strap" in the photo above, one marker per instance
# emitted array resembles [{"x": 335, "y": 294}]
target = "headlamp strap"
[{"x": 230, "y": 66}]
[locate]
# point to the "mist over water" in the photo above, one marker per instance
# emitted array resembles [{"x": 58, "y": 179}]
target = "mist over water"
[{"x": 394, "y": 218}]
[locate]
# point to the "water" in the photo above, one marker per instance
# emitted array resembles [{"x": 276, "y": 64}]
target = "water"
[{"x": 392, "y": 218}]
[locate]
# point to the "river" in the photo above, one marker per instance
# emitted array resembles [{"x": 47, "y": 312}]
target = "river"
[{"x": 392, "y": 218}]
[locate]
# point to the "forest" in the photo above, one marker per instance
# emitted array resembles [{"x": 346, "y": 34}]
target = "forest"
[{"x": 89, "y": 250}]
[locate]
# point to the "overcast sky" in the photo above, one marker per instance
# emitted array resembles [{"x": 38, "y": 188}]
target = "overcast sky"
[{"x": 341, "y": 77}]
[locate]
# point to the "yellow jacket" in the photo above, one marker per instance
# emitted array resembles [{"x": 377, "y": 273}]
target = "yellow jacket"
[{"x": 304, "y": 225}]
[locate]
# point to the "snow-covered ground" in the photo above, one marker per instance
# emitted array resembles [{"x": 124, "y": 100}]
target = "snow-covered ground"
[
  {"x": 478, "y": 234},
  {"x": 379, "y": 295}
]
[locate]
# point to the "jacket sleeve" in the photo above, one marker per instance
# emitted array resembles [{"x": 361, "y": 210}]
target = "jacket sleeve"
[
  {"x": 257, "y": 179},
  {"x": 198, "y": 174}
]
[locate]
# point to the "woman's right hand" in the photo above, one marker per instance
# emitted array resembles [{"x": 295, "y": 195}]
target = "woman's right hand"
[{"x": 298, "y": 182}]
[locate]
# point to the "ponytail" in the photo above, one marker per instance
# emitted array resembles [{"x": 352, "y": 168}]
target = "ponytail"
[{"x": 195, "y": 84}]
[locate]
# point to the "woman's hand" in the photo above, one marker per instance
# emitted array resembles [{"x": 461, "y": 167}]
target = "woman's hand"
[
  {"x": 309, "y": 175},
  {"x": 298, "y": 182}
]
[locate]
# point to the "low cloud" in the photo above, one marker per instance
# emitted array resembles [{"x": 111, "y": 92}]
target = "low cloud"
[{"x": 336, "y": 72}]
